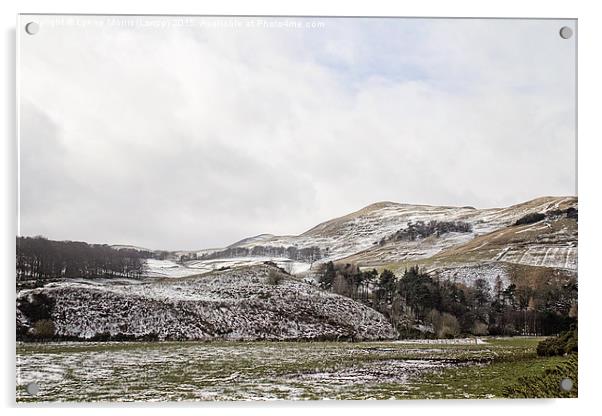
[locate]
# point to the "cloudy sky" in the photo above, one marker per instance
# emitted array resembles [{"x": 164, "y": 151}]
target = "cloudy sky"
[{"x": 187, "y": 134}]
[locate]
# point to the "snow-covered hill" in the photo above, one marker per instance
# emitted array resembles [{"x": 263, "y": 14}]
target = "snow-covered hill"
[
  {"x": 129, "y": 247},
  {"x": 241, "y": 304},
  {"x": 547, "y": 243},
  {"x": 172, "y": 269},
  {"x": 166, "y": 268},
  {"x": 355, "y": 237}
]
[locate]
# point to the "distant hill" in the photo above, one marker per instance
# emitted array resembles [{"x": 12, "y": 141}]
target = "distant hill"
[{"x": 365, "y": 237}]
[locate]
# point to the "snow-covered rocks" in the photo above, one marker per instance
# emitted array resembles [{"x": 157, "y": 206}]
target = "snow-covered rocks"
[{"x": 249, "y": 303}]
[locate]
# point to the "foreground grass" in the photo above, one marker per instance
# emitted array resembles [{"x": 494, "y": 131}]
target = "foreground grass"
[
  {"x": 510, "y": 374},
  {"x": 138, "y": 371},
  {"x": 506, "y": 368},
  {"x": 546, "y": 384},
  {"x": 488, "y": 381}
]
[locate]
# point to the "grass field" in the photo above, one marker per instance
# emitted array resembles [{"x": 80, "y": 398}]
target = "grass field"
[{"x": 273, "y": 370}]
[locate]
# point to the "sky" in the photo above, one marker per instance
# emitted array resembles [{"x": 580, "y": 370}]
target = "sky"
[{"x": 190, "y": 133}]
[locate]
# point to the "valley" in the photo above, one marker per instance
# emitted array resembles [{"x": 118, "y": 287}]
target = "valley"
[{"x": 393, "y": 301}]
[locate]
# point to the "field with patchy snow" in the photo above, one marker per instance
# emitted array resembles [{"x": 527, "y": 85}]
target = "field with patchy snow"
[{"x": 273, "y": 370}]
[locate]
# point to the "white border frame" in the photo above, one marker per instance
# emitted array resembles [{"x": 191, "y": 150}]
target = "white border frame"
[{"x": 590, "y": 33}]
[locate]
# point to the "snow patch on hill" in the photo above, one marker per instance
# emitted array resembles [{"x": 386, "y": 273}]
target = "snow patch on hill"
[
  {"x": 354, "y": 237},
  {"x": 171, "y": 269},
  {"x": 470, "y": 273},
  {"x": 166, "y": 268}
]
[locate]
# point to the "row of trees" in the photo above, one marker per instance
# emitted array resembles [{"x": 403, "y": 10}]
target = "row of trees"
[
  {"x": 533, "y": 217},
  {"x": 41, "y": 259},
  {"x": 305, "y": 254},
  {"x": 538, "y": 302}
]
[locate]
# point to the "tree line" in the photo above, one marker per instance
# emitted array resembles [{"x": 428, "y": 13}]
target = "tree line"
[
  {"x": 305, "y": 254},
  {"x": 536, "y": 303},
  {"x": 41, "y": 259},
  {"x": 571, "y": 213}
]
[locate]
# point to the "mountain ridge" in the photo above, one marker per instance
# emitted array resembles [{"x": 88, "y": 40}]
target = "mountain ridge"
[{"x": 361, "y": 237}]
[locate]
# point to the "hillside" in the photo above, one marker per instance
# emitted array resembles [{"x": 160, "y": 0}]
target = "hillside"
[
  {"x": 362, "y": 237},
  {"x": 547, "y": 243},
  {"x": 241, "y": 304},
  {"x": 232, "y": 294}
]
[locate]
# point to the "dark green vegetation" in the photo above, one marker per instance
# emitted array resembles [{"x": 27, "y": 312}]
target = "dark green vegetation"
[
  {"x": 522, "y": 374},
  {"x": 40, "y": 260},
  {"x": 546, "y": 384},
  {"x": 283, "y": 370},
  {"x": 420, "y": 229},
  {"x": 274, "y": 278},
  {"x": 531, "y": 218},
  {"x": 537, "y": 302},
  {"x": 306, "y": 254},
  {"x": 39, "y": 308},
  {"x": 564, "y": 343}
]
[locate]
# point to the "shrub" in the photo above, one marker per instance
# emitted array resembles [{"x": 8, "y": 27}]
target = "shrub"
[
  {"x": 44, "y": 328},
  {"x": 450, "y": 327},
  {"x": 434, "y": 317},
  {"x": 572, "y": 213},
  {"x": 479, "y": 328},
  {"x": 444, "y": 324},
  {"x": 562, "y": 344},
  {"x": 282, "y": 270},
  {"x": 530, "y": 218},
  {"x": 421, "y": 229},
  {"x": 549, "y": 347},
  {"x": 102, "y": 337},
  {"x": 548, "y": 383},
  {"x": 408, "y": 332},
  {"x": 36, "y": 306},
  {"x": 274, "y": 278}
]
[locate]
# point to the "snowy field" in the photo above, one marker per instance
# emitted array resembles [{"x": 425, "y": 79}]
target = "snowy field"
[
  {"x": 171, "y": 269},
  {"x": 233, "y": 371},
  {"x": 166, "y": 268}
]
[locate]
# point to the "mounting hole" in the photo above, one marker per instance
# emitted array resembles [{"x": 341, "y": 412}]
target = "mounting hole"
[
  {"x": 566, "y": 32},
  {"x": 32, "y": 28},
  {"x": 32, "y": 388},
  {"x": 566, "y": 384}
]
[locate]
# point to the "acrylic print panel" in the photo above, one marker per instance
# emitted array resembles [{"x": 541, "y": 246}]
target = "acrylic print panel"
[{"x": 257, "y": 208}]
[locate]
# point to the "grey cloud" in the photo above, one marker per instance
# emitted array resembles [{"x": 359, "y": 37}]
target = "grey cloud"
[{"x": 185, "y": 138}]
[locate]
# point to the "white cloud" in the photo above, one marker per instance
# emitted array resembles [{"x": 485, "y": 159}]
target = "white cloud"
[{"x": 189, "y": 138}]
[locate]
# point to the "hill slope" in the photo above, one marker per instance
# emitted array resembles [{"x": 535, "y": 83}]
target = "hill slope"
[
  {"x": 356, "y": 237},
  {"x": 236, "y": 304}
]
